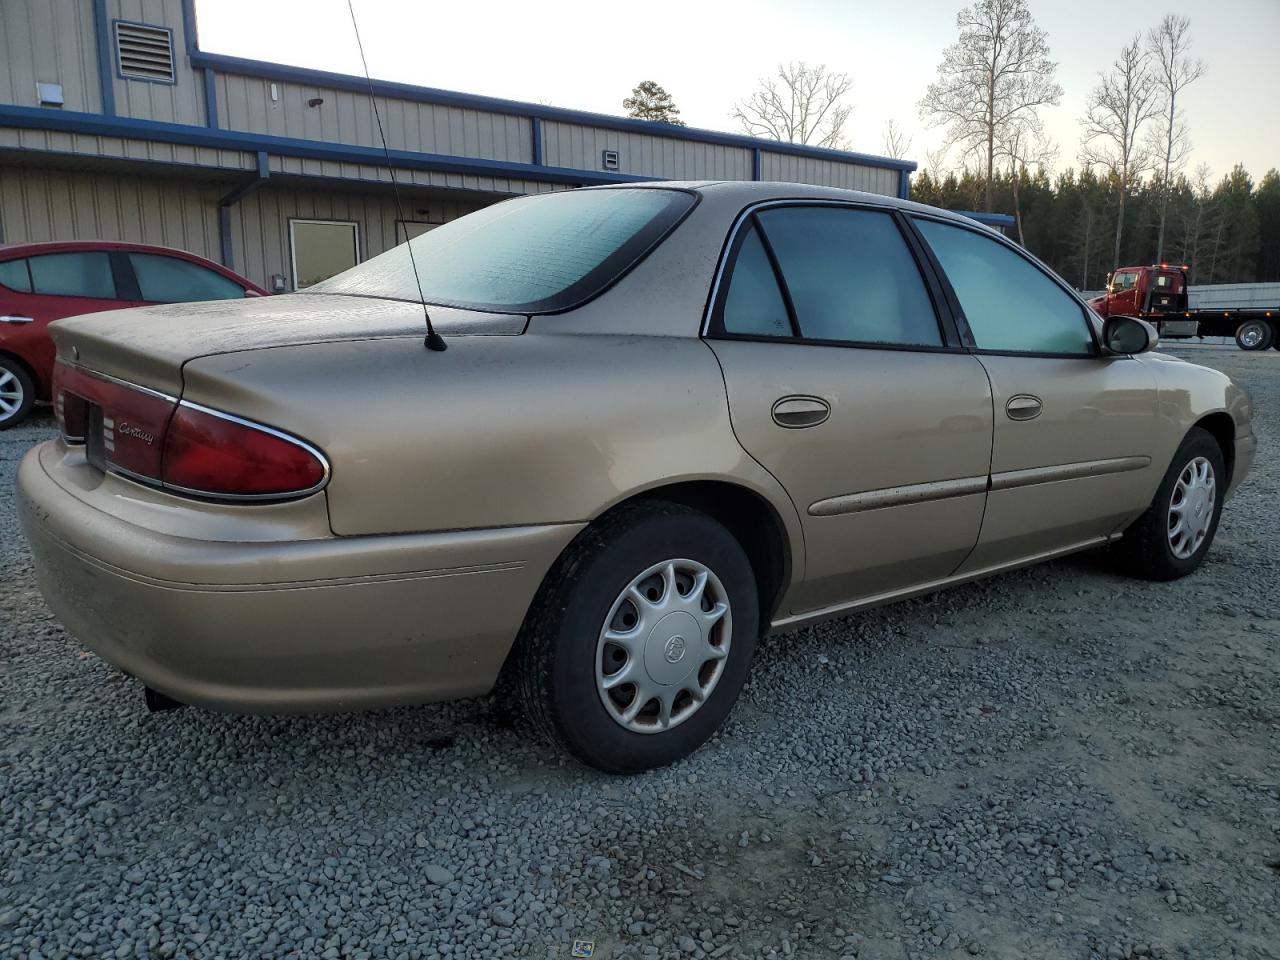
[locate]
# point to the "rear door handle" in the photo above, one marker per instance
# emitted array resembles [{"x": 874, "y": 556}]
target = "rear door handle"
[
  {"x": 794, "y": 412},
  {"x": 1023, "y": 407},
  {"x": 10, "y": 318}
]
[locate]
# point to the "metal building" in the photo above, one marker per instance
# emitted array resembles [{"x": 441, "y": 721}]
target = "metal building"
[{"x": 114, "y": 124}]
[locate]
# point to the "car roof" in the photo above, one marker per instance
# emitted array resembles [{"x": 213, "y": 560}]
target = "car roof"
[
  {"x": 10, "y": 251},
  {"x": 756, "y": 191}
]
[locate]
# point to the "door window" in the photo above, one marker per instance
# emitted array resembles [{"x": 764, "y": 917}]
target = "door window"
[
  {"x": 14, "y": 275},
  {"x": 322, "y": 249},
  {"x": 842, "y": 275},
  {"x": 1123, "y": 282},
  {"x": 1010, "y": 304},
  {"x": 79, "y": 274},
  {"x": 164, "y": 279}
]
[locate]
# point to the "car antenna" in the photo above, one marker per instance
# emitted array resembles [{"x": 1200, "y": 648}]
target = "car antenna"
[{"x": 434, "y": 341}]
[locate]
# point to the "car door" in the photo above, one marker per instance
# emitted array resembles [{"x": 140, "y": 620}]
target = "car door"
[
  {"x": 49, "y": 286},
  {"x": 1124, "y": 293},
  {"x": 1071, "y": 460},
  {"x": 844, "y": 382}
]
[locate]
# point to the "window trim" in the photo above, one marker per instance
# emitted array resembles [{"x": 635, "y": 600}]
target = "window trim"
[
  {"x": 293, "y": 247},
  {"x": 957, "y": 309},
  {"x": 712, "y": 327}
]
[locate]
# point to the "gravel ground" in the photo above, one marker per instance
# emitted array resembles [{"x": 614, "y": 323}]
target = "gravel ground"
[{"x": 1054, "y": 763}]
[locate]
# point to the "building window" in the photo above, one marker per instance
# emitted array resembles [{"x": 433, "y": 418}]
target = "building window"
[
  {"x": 321, "y": 249},
  {"x": 144, "y": 52}
]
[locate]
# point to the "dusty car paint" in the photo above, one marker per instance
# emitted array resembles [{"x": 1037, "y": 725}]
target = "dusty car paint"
[{"x": 458, "y": 477}]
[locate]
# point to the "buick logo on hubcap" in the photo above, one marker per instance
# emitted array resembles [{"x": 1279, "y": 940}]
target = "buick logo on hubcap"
[{"x": 675, "y": 649}]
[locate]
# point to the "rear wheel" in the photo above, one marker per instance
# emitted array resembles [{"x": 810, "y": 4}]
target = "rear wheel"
[
  {"x": 1171, "y": 539},
  {"x": 641, "y": 638},
  {"x": 1255, "y": 335},
  {"x": 17, "y": 393}
]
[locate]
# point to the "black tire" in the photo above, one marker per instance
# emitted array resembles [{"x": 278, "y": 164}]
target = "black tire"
[
  {"x": 1255, "y": 335},
  {"x": 1145, "y": 551},
  {"x": 555, "y": 660},
  {"x": 14, "y": 378}
]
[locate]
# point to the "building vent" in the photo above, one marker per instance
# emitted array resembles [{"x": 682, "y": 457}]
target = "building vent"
[
  {"x": 609, "y": 159},
  {"x": 144, "y": 53}
]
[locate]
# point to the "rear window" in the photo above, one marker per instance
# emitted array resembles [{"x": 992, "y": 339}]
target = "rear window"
[
  {"x": 164, "y": 279},
  {"x": 531, "y": 255}
]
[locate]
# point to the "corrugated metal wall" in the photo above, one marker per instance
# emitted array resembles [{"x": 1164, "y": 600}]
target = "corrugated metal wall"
[
  {"x": 180, "y": 102},
  {"x": 828, "y": 173},
  {"x": 39, "y": 204},
  {"x": 50, "y": 41},
  {"x": 302, "y": 166},
  {"x": 260, "y": 223},
  {"x": 81, "y": 145},
  {"x": 244, "y": 103},
  {"x": 580, "y": 147}
]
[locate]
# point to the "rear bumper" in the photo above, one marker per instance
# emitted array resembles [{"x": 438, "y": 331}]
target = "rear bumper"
[{"x": 324, "y": 624}]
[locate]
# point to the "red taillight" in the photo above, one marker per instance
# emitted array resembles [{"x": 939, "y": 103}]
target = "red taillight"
[
  {"x": 184, "y": 447},
  {"x": 215, "y": 455}
]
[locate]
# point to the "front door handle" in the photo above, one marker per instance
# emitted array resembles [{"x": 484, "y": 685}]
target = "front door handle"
[
  {"x": 1023, "y": 407},
  {"x": 10, "y": 318},
  {"x": 794, "y": 412}
]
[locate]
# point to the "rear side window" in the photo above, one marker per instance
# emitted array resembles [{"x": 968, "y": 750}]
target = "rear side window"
[
  {"x": 851, "y": 276},
  {"x": 753, "y": 305},
  {"x": 164, "y": 279},
  {"x": 73, "y": 275},
  {"x": 14, "y": 275},
  {"x": 536, "y": 254},
  {"x": 1011, "y": 305}
]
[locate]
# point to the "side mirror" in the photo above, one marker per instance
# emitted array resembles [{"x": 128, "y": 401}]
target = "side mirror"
[{"x": 1129, "y": 335}]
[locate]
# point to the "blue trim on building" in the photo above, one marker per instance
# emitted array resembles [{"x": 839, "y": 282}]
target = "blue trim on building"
[
  {"x": 535, "y": 125},
  {"x": 106, "y": 75},
  {"x": 210, "y": 98},
  {"x": 904, "y": 184},
  {"x": 755, "y": 163},
  {"x": 990, "y": 219},
  {"x": 190, "y": 29},
  {"x": 179, "y": 133},
  {"x": 404, "y": 91},
  {"x": 231, "y": 199}
]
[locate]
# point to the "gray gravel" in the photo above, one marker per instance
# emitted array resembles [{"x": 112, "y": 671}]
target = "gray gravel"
[{"x": 1055, "y": 763}]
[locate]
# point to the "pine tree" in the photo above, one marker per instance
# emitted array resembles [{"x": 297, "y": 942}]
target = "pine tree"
[{"x": 648, "y": 101}]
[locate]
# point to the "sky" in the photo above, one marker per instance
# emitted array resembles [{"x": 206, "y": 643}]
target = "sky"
[{"x": 708, "y": 55}]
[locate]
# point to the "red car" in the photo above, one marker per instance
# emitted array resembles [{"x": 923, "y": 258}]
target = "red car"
[{"x": 43, "y": 282}]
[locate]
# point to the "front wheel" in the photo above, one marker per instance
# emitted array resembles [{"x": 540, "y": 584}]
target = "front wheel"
[
  {"x": 1255, "y": 335},
  {"x": 1171, "y": 538},
  {"x": 641, "y": 638},
  {"x": 17, "y": 393}
]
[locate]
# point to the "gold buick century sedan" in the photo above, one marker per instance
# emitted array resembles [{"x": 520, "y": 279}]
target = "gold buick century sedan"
[{"x": 669, "y": 420}]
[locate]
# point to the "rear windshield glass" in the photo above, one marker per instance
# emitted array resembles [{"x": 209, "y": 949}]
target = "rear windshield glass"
[{"x": 531, "y": 255}]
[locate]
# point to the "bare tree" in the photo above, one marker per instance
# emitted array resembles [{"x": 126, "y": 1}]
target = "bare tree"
[
  {"x": 1168, "y": 45},
  {"x": 798, "y": 104},
  {"x": 996, "y": 76},
  {"x": 1120, "y": 106},
  {"x": 1025, "y": 146},
  {"x": 896, "y": 141}
]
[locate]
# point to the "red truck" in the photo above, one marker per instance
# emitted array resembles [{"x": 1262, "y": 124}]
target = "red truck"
[{"x": 1158, "y": 293}]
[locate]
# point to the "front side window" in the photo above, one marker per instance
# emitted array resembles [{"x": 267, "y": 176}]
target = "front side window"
[
  {"x": 1011, "y": 305},
  {"x": 1123, "y": 282},
  {"x": 164, "y": 279},
  {"x": 534, "y": 254},
  {"x": 14, "y": 275},
  {"x": 79, "y": 274}
]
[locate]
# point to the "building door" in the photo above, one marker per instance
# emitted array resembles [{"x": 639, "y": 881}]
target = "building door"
[{"x": 321, "y": 249}]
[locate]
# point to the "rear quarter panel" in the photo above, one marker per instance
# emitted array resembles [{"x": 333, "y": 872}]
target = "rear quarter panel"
[{"x": 496, "y": 431}]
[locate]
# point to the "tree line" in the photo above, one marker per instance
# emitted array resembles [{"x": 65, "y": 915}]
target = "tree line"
[{"x": 1131, "y": 200}]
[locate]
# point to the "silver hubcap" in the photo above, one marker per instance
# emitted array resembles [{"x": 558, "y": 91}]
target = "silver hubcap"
[
  {"x": 1251, "y": 336},
  {"x": 663, "y": 647},
  {"x": 10, "y": 394},
  {"x": 1191, "y": 509}
]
